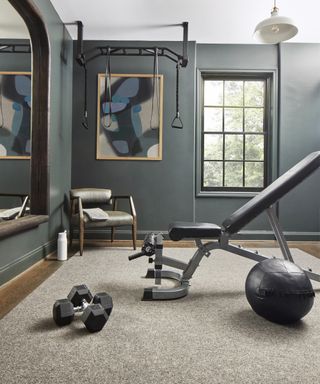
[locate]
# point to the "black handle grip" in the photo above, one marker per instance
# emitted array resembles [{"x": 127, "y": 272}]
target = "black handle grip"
[{"x": 136, "y": 255}]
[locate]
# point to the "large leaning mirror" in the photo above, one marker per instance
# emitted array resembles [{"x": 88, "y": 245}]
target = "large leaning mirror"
[
  {"x": 36, "y": 144},
  {"x": 15, "y": 112}
]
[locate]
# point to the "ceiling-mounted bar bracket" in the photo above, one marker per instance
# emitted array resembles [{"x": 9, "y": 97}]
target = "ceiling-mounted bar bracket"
[
  {"x": 182, "y": 59},
  {"x": 80, "y": 53}
]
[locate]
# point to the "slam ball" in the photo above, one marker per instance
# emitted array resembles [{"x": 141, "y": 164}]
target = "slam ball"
[{"x": 279, "y": 291}]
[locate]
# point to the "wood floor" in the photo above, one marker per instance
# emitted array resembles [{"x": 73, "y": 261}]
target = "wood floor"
[{"x": 14, "y": 291}]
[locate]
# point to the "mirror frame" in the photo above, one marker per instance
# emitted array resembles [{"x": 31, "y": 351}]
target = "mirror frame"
[
  {"x": 39, "y": 205},
  {"x": 40, "y": 104}
]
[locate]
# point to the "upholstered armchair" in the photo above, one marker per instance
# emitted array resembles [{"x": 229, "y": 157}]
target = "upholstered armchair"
[{"x": 97, "y": 208}]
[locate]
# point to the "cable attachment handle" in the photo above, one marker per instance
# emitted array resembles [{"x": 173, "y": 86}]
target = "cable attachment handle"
[{"x": 177, "y": 122}]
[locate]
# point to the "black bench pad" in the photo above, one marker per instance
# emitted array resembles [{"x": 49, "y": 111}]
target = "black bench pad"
[{"x": 179, "y": 230}]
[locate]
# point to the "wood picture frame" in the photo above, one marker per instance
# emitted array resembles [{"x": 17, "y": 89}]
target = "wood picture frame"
[
  {"x": 133, "y": 129},
  {"x": 15, "y": 115}
]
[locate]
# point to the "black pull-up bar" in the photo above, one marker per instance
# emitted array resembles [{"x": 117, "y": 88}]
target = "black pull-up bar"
[
  {"x": 181, "y": 60},
  {"x": 133, "y": 51}
]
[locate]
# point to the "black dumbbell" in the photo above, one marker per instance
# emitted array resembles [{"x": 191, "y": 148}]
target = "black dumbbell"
[
  {"x": 105, "y": 300},
  {"x": 94, "y": 315},
  {"x": 63, "y": 312}
]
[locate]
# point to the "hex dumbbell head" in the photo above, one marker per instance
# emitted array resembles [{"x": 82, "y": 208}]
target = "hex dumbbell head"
[
  {"x": 63, "y": 312},
  {"x": 105, "y": 300},
  {"x": 94, "y": 317},
  {"x": 79, "y": 293}
]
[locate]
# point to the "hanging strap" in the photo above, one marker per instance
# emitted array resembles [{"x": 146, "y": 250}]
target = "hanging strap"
[
  {"x": 107, "y": 88},
  {"x": 177, "y": 122},
  {"x": 155, "y": 84},
  {"x": 85, "y": 111}
]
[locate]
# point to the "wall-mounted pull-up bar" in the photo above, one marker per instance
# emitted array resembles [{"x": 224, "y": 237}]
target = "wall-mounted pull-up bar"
[{"x": 182, "y": 59}]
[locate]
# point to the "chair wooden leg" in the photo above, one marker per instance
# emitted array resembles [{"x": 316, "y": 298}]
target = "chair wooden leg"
[
  {"x": 81, "y": 238},
  {"x": 70, "y": 237},
  {"x": 112, "y": 234},
  {"x": 134, "y": 235}
]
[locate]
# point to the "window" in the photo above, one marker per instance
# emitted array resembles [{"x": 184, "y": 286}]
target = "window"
[{"x": 235, "y": 122}]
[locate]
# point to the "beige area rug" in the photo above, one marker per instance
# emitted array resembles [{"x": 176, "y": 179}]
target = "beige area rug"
[{"x": 210, "y": 336}]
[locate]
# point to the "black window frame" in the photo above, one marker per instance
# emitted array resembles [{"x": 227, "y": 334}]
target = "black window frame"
[{"x": 268, "y": 78}]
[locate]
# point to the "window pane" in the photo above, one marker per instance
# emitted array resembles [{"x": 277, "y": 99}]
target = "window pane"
[
  {"x": 212, "y": 174},
  {"x": 233, "y": 174},
  {"x": 254, "y": 175},
  {"x": 233, "y": 119},
  {"x": 233, "y": 93},
  {"x": 212, "y": 119},
  {"x": 254, "y": 147},
  {"x": 253, "y": 119},
  {"x": 213, "y": 92},
  {"x": 254, "y": 93},
  {"x": 234, "y": 147},
  {"x": 213, "y": 147}
]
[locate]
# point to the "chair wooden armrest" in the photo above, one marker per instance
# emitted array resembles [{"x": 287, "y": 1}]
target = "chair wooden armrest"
[
  {"x": 23, "y": 208},
  {"x": 76, "y": 201},
  {"x": 131, "y": 203}
]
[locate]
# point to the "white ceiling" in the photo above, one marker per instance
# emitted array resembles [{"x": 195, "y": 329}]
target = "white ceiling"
[{"x": 210, "y": 21}]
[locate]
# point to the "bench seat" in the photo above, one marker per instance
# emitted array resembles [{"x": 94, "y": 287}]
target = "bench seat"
[{"x": 179, "y": 230}]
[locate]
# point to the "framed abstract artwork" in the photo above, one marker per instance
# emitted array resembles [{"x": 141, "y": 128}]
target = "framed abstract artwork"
[
  {"x": 15, "y": 115},
  {"x": 129, "y": 117}
]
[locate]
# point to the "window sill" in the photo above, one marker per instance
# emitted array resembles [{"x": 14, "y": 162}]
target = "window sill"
[
  {"x": 11, "y": 227},
  {"x": 226, "y": 194}
]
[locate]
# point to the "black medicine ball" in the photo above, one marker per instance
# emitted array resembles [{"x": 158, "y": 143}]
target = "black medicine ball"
[{"x": 279, "y": 291}]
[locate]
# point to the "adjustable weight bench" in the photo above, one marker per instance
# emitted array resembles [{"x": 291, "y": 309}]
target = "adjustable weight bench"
[{"x": 264, "y": 201}]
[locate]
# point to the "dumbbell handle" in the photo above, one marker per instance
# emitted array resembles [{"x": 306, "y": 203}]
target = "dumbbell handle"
[
  {"x": 136, "y": 255},
  {"x": 81, "y": 307}
]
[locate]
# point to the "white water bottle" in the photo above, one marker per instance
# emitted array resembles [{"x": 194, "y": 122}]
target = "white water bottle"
[{"x": 62, "y": 253}]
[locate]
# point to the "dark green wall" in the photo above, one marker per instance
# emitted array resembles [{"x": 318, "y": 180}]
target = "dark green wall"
[
  {"x": 162, "y": 190},
  {"x": 165, "y": 190},
  {"x": 20, "y": 251},
  {"x": 232, "y": 58},
  {"x": 300, "y": 132}
]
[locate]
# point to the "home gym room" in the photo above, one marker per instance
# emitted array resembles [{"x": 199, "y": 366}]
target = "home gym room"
[{"x": 160, "y": 211}]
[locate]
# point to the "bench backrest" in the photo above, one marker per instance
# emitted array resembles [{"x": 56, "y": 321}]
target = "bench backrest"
[{"x": 272, "y": 193}]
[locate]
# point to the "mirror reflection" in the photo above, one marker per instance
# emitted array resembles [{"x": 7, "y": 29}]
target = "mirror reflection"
[{"x": 15, "y": 114}]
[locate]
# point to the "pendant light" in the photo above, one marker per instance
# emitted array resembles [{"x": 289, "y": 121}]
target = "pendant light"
[{"x": 275, "y": 29}]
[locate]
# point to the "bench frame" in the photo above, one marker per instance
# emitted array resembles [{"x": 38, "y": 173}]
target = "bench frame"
[{"x": 204, "y": 249}]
